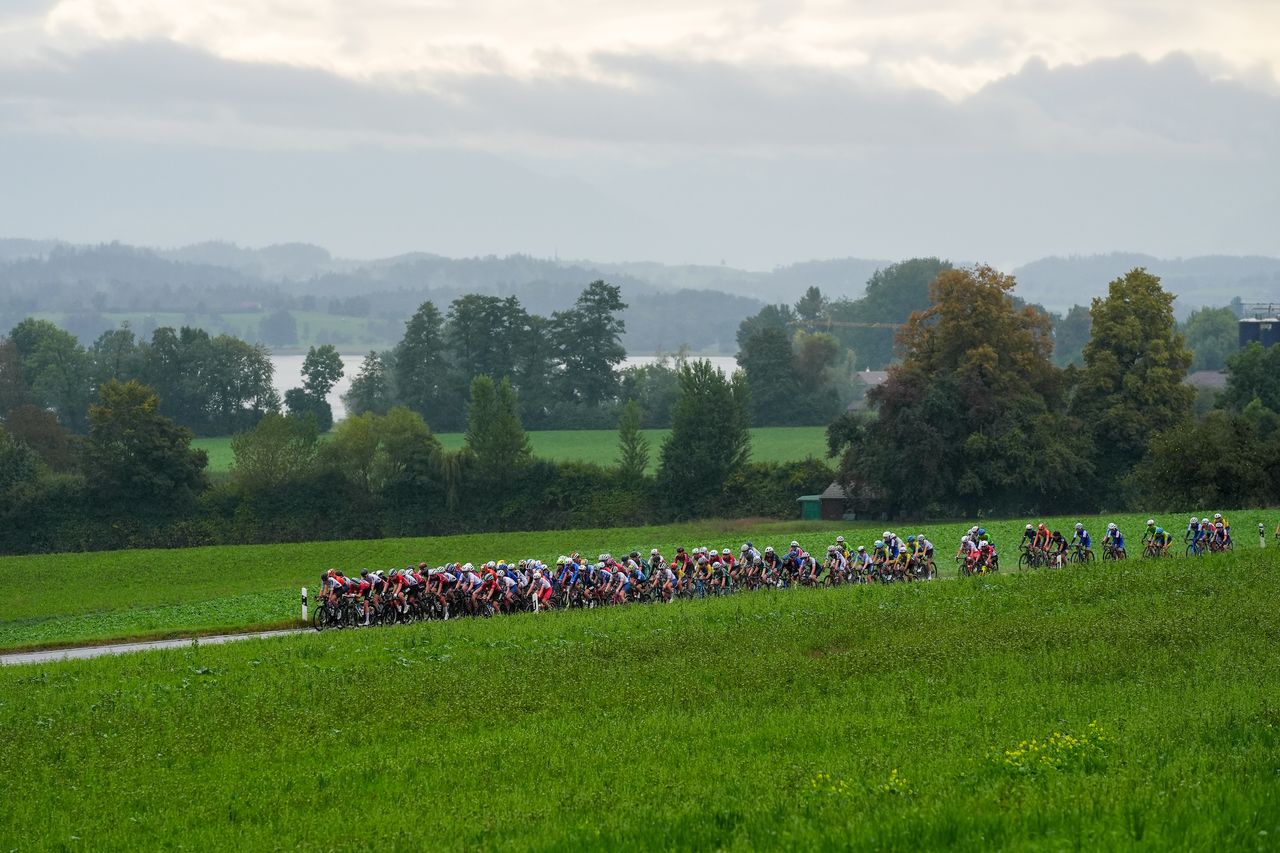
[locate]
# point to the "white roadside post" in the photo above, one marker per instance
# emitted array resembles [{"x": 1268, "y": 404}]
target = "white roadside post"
[
  {"x": 1262, "y": 536},
  {"x": 304, "y": 604}
]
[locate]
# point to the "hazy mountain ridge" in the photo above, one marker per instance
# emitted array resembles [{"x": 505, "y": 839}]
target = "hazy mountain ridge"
[{"x": 1060, "y": 282}]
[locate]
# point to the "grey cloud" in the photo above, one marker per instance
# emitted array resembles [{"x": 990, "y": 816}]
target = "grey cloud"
[
  {"x": 647, "y": 101},
  {"x": 658, "y": 158}
]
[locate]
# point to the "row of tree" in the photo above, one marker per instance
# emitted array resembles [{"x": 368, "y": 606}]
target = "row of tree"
[
  {"x": 135, "y": 480},
  {"x": 564, "y": 366},
  {"x": 978, "y": 419}
]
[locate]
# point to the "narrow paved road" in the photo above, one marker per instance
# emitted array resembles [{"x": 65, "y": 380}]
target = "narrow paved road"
[{"x": 14, "y": 658}]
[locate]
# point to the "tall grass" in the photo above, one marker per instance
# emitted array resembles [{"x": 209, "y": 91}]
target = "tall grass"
[{"x": 1102, "y": 707}]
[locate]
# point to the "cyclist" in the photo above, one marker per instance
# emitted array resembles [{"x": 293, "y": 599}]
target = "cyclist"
[
  {"x": 1194, "y": 532},
  {"x": 1150, "y": 533},
  {"x": 1161, "y": 540},
  {"x": 749, "y": 553},
  {"x": 1042, "y": 538},
  {"x": 879, "y": 556},
  {"x": 1114, "y": 541},
  {"x": 1028, "y": 537},
  {"x": 1082, "y": 540},
  {"x": 862, "y": 563},
  {"x": 842, "y": 547},
  {"x": 1057, "y": 550}
]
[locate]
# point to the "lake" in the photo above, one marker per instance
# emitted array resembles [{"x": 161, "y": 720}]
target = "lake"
[{"x": 288, "y": 373}]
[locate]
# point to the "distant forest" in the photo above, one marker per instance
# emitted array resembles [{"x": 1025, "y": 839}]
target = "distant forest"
[{"x": 297, "y": 295}]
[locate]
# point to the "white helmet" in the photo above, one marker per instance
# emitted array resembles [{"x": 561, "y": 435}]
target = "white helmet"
[
  {"x": 537, "y": 574},
  {"x": 1151, "y": 522},
  {"x": 653, "y": 552},
  {"x": 1029, "y": 527},
  {"x": 964, "y": 538},
  {"x": 467, "y": 567},
  {"x": 862, "y": 547},
  {"x": 795, "y": 544},
  {"x": 1217, "y": 516},
  {"x": 888, "y": 535},
  {"x": 1079, "y": 526},
  {"x": 1204, "y": 521},
  {"x": 726, "y": 553},
  {"x": 1112, "y": 526},
  {"x": 1193, "y": 520}
]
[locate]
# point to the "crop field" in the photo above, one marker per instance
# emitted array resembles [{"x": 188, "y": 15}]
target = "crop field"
[
  {"x": 1102, "y": 707},
  {"x": 159, "y": 593},
  {"x": 768, "y": 444}
]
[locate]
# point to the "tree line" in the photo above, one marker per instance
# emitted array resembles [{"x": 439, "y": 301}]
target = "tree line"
[
  {"x": 134, "y": 480},
  {"x": 978, "y": 419}
]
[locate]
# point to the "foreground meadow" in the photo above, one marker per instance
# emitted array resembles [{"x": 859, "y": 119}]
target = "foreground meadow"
[
  {"x": 1102, "y": 707},
  {"x": 179, "y": 592}
]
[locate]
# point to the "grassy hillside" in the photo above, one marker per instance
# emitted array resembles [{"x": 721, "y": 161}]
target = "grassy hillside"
[
  {"x": 1086, "y": 709},
  {"x": 768, "y": 444},
  {"x": 155, "y": 593}
]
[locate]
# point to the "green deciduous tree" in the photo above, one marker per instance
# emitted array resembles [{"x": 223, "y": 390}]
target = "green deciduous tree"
[
  {"x": 766, "y": 360},
  {"x": 136, "y": 459},
  {"x": 709, "y": 439},
  {"x": 55, "y": 370},
  {"x": 274, "y": 452},
  {"x": 633, "y": 447},
  {"x": 1070, "y": 334},
  {"x": 1212, "y": 336},
  {"x": 1253, "y": 373},
  {"x": 321, "y": 370},
  {"x": 970, "y": 420},
  {"x": 1132, "y": 385},
  {"x": 893, "y": 293},
  {"x": 495, "y": 435}
]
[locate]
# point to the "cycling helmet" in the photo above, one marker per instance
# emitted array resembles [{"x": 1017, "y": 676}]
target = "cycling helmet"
[
  {"x": 726, "y": 553},
  {"x": 717, "y": 565},
  {"x": 1151, "y": 522},
  {"x": 795, "y": 544},
  {"x": 1204, "y": 521},
  {"x": 749, "y": 545},
  {"x": 679, "y": 549},
  {"x": 1193, "y": 520},
  {"x": 1218, "y": 525},
  {"x": 919, "y": 535},
  {"x": 831, "y": 549},
  {"x": 635, "y": 555},
  {"x": 653, "y": 552},
  {"x": 537, "y": 574},
  {"x": 879, "y": 543},
  {"x": 1112, "y": 526},
  {"x": 982, "y": 531},
  {"x": 467, "y": 567},
  {"x": 1159, "y": 530},
  {"x": 839, "y": 540},
  {"x": 888, "y": 535},
  {"x": 364, "y": 573},
  {"x": 1217, "y": 516},
  {"x": 911, "y": 538},
  {"x": 1079, "y": 526},
  {"x": 965, "y": 538},
  {"x": 768, "y": 549},
  {"x": 862, "y": 548},
  {"x": 1029, "y": 527}
]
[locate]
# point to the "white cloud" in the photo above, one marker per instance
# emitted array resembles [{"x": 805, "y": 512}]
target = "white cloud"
[{"x": 951, "y": 47}]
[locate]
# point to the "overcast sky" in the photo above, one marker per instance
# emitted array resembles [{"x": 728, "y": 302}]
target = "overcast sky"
[{"x": 757, "y": 133}]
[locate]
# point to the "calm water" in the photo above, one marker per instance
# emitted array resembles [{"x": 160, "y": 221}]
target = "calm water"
[{"x": 288, "y": 373}]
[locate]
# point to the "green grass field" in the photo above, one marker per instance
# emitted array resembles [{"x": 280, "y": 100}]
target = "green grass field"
[
  {"x": 158, "y": 593},
  {"x": 768, "y": 444},
  {"x": 1114, "y": 706}
]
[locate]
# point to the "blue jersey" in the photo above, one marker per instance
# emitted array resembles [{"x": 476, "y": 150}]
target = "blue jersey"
[{"x": 1083, "y": 538}]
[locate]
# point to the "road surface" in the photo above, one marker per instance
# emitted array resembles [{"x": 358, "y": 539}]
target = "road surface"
[{"x": 47, "y": 655}]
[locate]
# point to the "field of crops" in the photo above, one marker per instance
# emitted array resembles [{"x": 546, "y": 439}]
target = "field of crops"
[
  {"x": 768, "y": 444},
  {"x": 135, "y": 594},
  {"x": 1090, "y": 708}
]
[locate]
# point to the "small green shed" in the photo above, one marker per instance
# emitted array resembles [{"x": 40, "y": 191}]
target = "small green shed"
[{"x": 810, "y": 507}]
